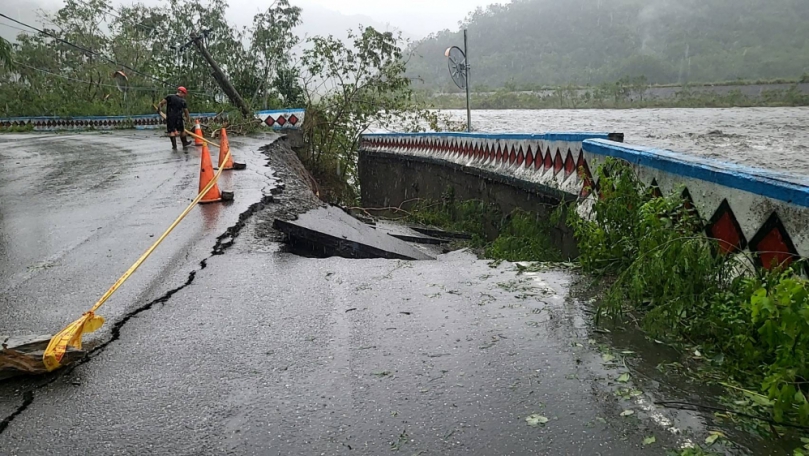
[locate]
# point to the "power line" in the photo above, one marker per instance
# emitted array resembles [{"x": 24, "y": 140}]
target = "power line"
[
  {"x": 151, "y": 89},
  {"x": 15, "y": 28},
  {"x": 100, "y": 84},
  {"x": 89, "y": 51}
]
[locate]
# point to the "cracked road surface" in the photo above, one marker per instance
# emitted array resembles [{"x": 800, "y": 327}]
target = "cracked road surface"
[
  {"x": 223, "y": 343},
  {"x": 76, "y": 210}
]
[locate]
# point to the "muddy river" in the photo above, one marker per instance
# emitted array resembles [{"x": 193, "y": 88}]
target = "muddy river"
[{"x": 771, "y": 138}]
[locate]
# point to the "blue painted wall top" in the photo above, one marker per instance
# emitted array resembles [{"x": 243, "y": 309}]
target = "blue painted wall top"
[
  {"x": 553, "y": 136},
  {"x": 780, "y": 186}
]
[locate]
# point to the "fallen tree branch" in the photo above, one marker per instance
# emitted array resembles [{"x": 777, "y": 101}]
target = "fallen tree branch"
[{"x": 697, "y": 407}]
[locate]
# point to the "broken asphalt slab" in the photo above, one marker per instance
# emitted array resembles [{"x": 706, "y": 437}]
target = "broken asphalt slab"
[
  {"x": 331, "y": 232},
  {"x": 407, "y": 234}
]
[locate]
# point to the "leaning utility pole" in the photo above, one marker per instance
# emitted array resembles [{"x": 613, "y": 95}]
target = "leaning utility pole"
[{"x": 221, "y": 79}]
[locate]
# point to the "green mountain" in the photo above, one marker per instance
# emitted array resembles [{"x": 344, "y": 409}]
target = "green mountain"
[{"x": 531, "y": 43}]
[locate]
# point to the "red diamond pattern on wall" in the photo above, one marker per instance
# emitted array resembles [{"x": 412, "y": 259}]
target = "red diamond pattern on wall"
[
  {"x": 269, "y": 121},
  {"x": 529, "y": 158},
  {"x": 773, "y": 245},
  {"x": 548, "y": 159},
  {"x": 512, "y": 157},
  {"x": 724, "y": 227},
  {"x": 570, "y": 164},
  {"x": 520, "y": 157},
  {"x": 293, "y": 120},
  {"x": 499, "y": 155},
  {"x": 558, "y": 164}
]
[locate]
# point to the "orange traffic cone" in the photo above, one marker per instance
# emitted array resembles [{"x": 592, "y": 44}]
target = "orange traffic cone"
[
  {"x": 205, "y": 176},
  {"x": 198, "y": 131},
  {"x": 224, "y": 147}
]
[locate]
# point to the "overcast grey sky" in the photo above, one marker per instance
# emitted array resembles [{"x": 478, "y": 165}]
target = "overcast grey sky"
[
  {"x": 419, "y": 17},
  {"x": 414, "y": 17}
]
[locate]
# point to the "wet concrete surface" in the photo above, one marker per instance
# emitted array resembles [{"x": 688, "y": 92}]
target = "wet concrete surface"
[{"x": 227, "y": 344}]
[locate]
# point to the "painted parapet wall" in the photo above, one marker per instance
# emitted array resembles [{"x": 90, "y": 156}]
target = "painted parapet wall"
[
  {"x": 549, "y": 160},
  {"x": 141, "y": 122},
  {"x": 291, "y": 119},
  {"x": 510, "y": 171},
  {"x": 746, "y": 209}
]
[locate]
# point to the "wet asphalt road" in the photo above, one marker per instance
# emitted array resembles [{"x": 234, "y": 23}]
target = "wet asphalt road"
[
  {"x": 258, "y": 351},
  {"x": 77, "y": 210}
]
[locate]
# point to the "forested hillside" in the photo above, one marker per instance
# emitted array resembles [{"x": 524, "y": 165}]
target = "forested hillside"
[{"x": 531, "y": 43}]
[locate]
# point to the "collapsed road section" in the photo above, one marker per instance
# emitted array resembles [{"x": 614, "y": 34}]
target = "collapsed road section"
[{"x": 329, "y": 231}]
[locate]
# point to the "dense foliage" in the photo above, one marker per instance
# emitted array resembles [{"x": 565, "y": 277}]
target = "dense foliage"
[
  {"x": 753, "y": 326},
  {"x": 69, "y": 69},
  {"x": 349, "y": 89},
  {"x": 533, "y": 43}
]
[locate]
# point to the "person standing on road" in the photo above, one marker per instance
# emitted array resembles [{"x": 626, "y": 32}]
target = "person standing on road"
[{"x": 176, "y": 110}]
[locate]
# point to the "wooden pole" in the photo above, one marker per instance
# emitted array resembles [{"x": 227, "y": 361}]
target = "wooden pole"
[{"x": 221, "y": 79}]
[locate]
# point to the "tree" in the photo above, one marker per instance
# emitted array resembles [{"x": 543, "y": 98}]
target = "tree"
[
  {"x": 271, "y": 46},
  {"x": 151, "y": 46},
  {"x": 639, "y": 85},
  {"x": 348, "y": 89},
  {"x": 5, "y": 53},
  {"x": 579, "y": 42}
]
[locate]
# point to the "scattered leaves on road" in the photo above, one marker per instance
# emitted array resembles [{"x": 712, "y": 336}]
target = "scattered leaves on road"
[
  {"x": 536, "y": 420},
  {"x": 624, "y": 378},
  {"x": 649, "y": 440},
  {"x": 715, "y": 435},
  {"x": 627, "y": 413}
]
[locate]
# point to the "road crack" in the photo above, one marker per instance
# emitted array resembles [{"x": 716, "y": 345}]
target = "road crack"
[{"x": 222, "y": 244}]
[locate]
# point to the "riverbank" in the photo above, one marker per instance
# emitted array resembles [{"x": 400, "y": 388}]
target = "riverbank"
[{"x": 625, "y": 96}]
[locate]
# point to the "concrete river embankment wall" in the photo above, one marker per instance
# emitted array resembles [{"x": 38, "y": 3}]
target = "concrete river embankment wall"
[{"x": 748, "y": 210}]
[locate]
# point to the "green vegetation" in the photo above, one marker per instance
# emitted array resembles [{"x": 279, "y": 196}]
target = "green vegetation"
[
  {"x": 752, "y": 326},
  {"x": 529, "y": 44},
  {"x": 51, "y": 77},
  {"x": 626, "y": 93},
  {"x": 5, "y": 52},
  {"x": 518, "y": 236},
  {"x": 371, "y": 89}
]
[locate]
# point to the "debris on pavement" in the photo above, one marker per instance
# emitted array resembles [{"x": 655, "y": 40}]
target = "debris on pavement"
[{"x": 22, "y": 355}]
